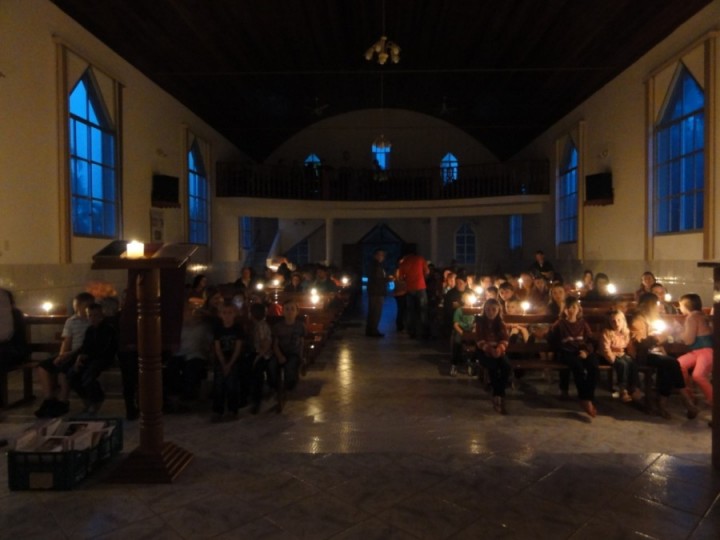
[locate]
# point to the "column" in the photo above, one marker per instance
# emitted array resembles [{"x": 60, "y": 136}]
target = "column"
[{"x": 329, "y": 234}]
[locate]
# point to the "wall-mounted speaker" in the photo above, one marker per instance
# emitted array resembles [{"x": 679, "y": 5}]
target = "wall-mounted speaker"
[{"x": 598, "y": 189}]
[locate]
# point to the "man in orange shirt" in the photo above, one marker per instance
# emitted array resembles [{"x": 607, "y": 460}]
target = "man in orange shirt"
[{"x": 413, "y": 269}]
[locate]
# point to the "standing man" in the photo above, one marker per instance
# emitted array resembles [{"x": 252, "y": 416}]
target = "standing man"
[
  {"x": 376, "y": 293},
  {"x": 541, "y": 266},
  {"x": 413, "y": 269}
]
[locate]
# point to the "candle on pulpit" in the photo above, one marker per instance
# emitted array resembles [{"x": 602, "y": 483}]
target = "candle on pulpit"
[{"x": 135, "y": 250}]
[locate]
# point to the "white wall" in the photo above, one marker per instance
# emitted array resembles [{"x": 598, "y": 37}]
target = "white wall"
[
  {"x": 615, "y": 140},
  {"x": 418, "y": 140},
  {"x": 30, "y": 212}
]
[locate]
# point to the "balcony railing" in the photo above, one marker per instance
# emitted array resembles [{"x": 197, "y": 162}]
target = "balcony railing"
[{"x": 348, "y": 184}]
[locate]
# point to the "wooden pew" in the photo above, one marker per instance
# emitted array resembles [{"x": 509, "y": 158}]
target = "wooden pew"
[{"x": 46, "y": 345}]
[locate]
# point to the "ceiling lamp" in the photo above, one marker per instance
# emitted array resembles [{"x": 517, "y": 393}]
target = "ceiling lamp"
[{"x": 384, "y": 49}]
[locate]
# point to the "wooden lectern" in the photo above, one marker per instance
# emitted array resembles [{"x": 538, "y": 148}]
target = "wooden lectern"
[
  {"x": 155, "y": 460},
  {"x": 716, "y": 365}
]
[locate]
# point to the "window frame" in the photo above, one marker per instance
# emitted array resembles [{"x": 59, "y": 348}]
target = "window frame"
[
  {"x": 196, "y": 220},
  {"x": 567, "y": 194},
  {"x": 673, "y": 192},
  {"x": 107, "y": 166},
  {"x": 515, "y": 237},
  {"x": 463, "y": 234},
  {"x": 449, "y": 168}
]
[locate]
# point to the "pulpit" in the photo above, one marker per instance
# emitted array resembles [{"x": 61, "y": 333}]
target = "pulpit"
[{"x": 155, "y": 460}]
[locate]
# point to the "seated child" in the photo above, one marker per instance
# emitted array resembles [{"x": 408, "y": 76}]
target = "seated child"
[
  {"x": 52, "y": 373},
  {"x": 229, "y": 338},
  {"x": 615, "y": 339},
  {"x": 492, "y": 342},
  {"x": 261, "y": 353},
  {"x": 461, "y": 323},
  {"x": 96, "y": 354},
  {"x": 571, "y": 337},
  {"x": 287, "y": 348}
]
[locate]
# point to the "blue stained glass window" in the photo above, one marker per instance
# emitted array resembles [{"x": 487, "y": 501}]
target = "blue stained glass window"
[
  {"x": 198, "y": 201},
  {"x": 93, "y": 176},
  {"x": 567, "y": 195},
  {"x": 679, "y": 157},
  {"x": 449, "y": 168}
]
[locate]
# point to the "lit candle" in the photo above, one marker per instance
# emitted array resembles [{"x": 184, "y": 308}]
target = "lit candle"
[
  {"x": 478, "y": 290},
  {"x": 611, "y": 288},
  {"x": 668, "y": 297},
  {"x": 313, "y": 292},
  {"x": 314, "y": 299},
  {"x": 276, "y": 283},
  {"x": 520, "y": 281},
  {"x": 659, "y": 326},
  {"x": 578, "y": 284},
  {"x": 472, "y": 299},
  {"x": 345, "y": 280},
  {"x": 525, "y": 306},
  {"x": 259, "y": 286},
  {"x": 135, "y": 250},
  {"x": 47, "y": 306}
]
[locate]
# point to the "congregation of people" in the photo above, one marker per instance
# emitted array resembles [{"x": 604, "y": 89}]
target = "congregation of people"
[
  {"x": 250, "y": 336},
  {"x": 627, "y": 334}
]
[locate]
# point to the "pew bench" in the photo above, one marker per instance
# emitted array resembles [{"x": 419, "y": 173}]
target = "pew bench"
[{"x": 43, "y": 341}]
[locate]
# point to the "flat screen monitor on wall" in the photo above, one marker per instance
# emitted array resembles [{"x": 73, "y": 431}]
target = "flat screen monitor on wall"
[
  {"x": 598, "y": 188},
  {"x": 165, "y": 191}
]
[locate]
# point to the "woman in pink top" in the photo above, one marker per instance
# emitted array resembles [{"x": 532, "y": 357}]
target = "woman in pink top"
[{"x": 698, "y": 335}]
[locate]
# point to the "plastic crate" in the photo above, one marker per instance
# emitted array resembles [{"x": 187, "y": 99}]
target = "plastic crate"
[{"x": 62, "y": 470}]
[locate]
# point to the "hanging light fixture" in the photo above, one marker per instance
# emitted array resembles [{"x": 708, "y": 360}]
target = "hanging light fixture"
[{"x": 383, "y": 48}]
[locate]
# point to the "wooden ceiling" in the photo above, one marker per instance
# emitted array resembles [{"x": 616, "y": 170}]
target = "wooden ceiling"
[{"x": 260, "y": 71}]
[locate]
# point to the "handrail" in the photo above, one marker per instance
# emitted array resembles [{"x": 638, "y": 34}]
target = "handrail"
[{"x": 349, "y": 184}]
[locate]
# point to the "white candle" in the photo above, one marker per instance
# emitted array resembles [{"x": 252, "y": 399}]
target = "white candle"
[
  {"x": 612, "y": 289},
  {"x": 525, "y": 306},
  {"x": 47, "y": 306},
  {"x": 668, "y": 297},
  {"x": 578, "y": 284},
  {"x": 135, "y": 250}
]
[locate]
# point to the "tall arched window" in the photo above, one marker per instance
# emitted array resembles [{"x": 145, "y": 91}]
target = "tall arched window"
[
  {"x": 93, "y": 169},
  {"x": 449, "y": 168},
  {"x": 567, "y": 195},
  {"x": 465, "y": 245},
  {"x": 198, "y": 200},
  {"x": 679, "y": 158}
]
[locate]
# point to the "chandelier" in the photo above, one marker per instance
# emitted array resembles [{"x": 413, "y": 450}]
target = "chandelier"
[{"x": 383, "y": 47}]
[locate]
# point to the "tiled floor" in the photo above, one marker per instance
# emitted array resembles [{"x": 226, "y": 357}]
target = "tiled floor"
[{"x": 379, "y": 443}]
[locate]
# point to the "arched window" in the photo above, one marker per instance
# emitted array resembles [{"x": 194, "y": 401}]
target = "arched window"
[
  {"x": 449, "y": 168},
  {"x": 313, "y": 163},
  {"x": 567, "y": 196},
  {"x": 198, "y": 200},
  {"x": 93, "y": 169},
  {"x": 679, "y": 157},
  {"x": 465, "y": 245},
  {"x": 381, "y": 152}
]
